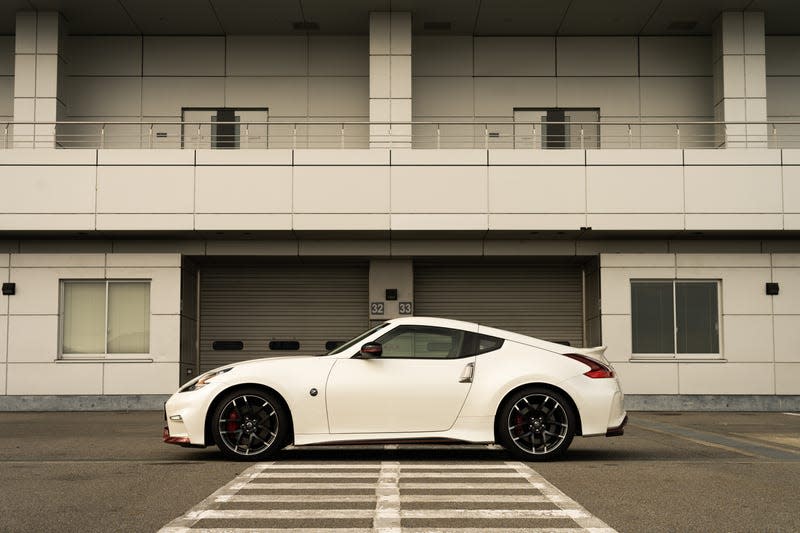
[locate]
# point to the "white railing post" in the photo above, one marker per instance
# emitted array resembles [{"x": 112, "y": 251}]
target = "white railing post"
[
  {"x": 197, "y": 139},
  {"x": 247, "y": 135},
  {"x": 341, "y": 141},
  {"x": 630, "y": 136},
  {"x": 677, "y": 135},
  {"x": 5, "y": 136},
  {"x": 150, "y": 137},
  {"x": 103, "y": 136},
  {"x": 533, "y": 136},
  {"x": 582, "y": 145},
  {"x": 294, "y": 136},
  {"x": 438, "y": 136},
  {"x": 775, "y": 137}
]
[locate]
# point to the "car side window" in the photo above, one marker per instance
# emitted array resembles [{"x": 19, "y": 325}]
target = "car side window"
[
  {"x": 475, "y": 344},
  {"x": 422, "y": 342}
]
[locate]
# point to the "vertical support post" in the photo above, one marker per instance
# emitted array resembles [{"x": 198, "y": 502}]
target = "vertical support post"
[
  {"x": 150, "y": 137},
  {"x": 630, "y": 136},
  {"x": 677, "y": 135},
  {"x": 102, "y": 136}
]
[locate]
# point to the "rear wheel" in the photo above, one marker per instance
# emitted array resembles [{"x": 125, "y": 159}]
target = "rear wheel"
[
  {"x": 249, "y": 425},
  {"x": 536, "y": 424}
]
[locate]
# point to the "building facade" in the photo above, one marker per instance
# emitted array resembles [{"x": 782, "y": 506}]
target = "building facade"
[{"x": 189, "y": 185}]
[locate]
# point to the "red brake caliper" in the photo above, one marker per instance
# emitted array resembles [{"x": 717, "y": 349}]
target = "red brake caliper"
[
  {"x": 519, "y": 422},
  {"x": 233, "y": 421}
]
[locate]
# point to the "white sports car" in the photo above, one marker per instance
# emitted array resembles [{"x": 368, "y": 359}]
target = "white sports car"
[{"x": 408, "y": 379}]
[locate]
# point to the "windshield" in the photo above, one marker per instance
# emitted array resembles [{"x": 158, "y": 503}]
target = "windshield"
[{"x": 351, "y": 342}]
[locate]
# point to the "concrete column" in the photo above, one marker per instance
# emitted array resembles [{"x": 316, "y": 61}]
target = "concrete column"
[
  {"x": 740, "y": 80},
  {"x": 38, "y": 73},
  {"x": 390, "y": 79},
  {"x": 391, "y": 274}
]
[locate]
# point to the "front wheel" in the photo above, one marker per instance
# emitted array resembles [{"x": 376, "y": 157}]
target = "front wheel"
[
  {"x": 536, "y": 424},
  {"x": 249, "y": 425}
]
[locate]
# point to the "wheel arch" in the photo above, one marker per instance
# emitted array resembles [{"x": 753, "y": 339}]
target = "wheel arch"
[
  {"x": 549, "y": 386},
  {"x": 209, "y": 438}
]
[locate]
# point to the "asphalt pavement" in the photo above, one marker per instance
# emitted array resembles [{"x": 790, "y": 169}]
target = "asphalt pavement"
[{"x": 89, "y": 471}]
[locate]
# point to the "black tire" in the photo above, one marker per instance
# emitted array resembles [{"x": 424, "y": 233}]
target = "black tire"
[
  {"x": 536, "y": 424},
  {"x": 249, "y": 425}
]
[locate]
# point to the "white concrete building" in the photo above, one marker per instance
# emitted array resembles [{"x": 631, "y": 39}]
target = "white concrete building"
[{"x": 186, "y": 184}]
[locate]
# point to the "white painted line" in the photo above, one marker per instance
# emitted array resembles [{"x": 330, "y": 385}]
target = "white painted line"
[
  {"x": 184, "y": 523},
  {"x": 233, "y": 514},
  {"x": 482, "y": 498},
  {"x": 324, "y": 466},
  {"x": 792, "y": 414},
  {"x": 448, "y": 466},
  {"x": 312, "y": 475},
  {"x": 494, "y": 513},
  {"x": 582, "y": 517},
  {"x": 405, "y": 485},
  {"x": 459, "y": 475},
  {"x": 288, "y": 530},
  {"x": 386, "y": 518},
  {"x": 494, "y": 530},
  {"x": 300, "y": 498},
  {"x": 281, "y": 486}
]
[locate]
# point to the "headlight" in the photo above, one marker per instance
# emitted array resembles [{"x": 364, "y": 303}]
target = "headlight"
[{"x": 203, "y": 380}]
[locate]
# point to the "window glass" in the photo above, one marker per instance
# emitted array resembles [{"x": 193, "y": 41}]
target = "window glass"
[
  {"x": 487, "y": 343},
  {"x": 652, "y": 317},
  {"x": 697, "y": 317},
  {"x": 128, "y": 317},
  {"x": 422, "y": 342},
  {"x": 84, "y": 317},
  {"x": 105, "y": 317}
]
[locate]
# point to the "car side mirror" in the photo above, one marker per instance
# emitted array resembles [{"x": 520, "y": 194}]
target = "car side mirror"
[{"x": 371, "y": 350}]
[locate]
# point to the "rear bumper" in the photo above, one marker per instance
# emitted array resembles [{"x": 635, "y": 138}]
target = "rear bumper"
[{"x": 618, "y": 430}]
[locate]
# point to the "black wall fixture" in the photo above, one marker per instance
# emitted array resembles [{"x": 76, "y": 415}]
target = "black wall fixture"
[
  {"x": 9, "y": 289},
  {"x": 773, "y": 289}
]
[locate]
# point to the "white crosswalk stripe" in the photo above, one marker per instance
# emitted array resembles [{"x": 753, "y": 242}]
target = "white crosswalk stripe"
[{"x": 388, "y": 497}]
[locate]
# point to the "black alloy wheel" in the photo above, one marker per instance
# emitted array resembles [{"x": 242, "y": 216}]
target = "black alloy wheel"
[
  {"x": 536, "y": 424},
  {"x": 249, "y": 425}
]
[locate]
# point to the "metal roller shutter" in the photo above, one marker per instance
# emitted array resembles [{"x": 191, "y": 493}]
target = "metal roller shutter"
[
  {"x": 308, "y": 303},
  {"x": 543, "y": 301}
]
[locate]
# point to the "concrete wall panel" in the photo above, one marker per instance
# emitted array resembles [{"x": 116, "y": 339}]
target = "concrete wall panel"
[
  {"x": 284, "y": 96},
  {"x": 338, "y": 55},
  {"x": 648, "y": 378},
  {"x": 497, "y": 97},
  {"x": 726, "y": 378},
  {"x": 737, "y": 189},
  {"x": 267, "y": 55},
  {"x": 538, "y": 189},
  {"x": 438, "y": 55},
  {"x": 787, "y": 338},
  {"x": 515, "y": 56},
  {"x": 675, "y": 56},
  {"x": 49, "y": 378},
  {"x": 443, "y": 97},
  {"x": 633, "y": 189},
  {"x": 119, "y": 55},
  {"x": 49, "y": 189},
  {"x": 439, "y": 190},
  {"x": 341, "y": 190},
  {"x": 103, "y": 96},
  {"x": 747, "y": 338},
  {"x": 165, "y": 97},
  {"x": 145, "y": 189},
  {"x": 184, "y": 56},
  {"x": 223, "y": 189},
  {"x": 140, "y": 378},
  {"x": 597, "y": 56},
  {"x": 787, "y": 378},
  {"x": 33, "y": 338}
]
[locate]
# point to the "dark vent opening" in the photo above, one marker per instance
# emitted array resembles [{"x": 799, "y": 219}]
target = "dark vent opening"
[
  {"x": 332, "y": 345},
  {"x": 227, "y": 345},
  {"x": 284, "y": 346},
  {"x": 305, "y": 26},
  {"x": 437, "y": 26}
]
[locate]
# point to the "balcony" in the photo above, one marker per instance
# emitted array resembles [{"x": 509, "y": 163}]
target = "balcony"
[{"x": 418, "y": 135}]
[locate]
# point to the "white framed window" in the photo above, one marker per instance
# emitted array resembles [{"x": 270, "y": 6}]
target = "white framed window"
[
  {"x": 104, "y": 317},
  {"x": 675, "y": 319}
]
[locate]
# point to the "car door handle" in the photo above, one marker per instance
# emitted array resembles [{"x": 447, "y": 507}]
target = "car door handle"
[{"x": 467, "y": 373}]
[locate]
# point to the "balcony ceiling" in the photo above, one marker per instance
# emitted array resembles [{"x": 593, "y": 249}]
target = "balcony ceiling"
[{"x": 466, "y": 17}]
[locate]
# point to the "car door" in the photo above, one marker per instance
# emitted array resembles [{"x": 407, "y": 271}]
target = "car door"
[{"x": 419, "y": 383}]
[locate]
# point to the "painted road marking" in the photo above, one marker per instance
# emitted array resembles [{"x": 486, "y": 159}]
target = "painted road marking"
[{"x": 388, "y": 497}]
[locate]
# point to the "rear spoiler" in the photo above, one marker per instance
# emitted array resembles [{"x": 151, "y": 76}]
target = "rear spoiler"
[{"x": 597, "y": 352}]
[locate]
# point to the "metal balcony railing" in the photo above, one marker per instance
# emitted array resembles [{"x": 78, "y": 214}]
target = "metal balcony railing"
[{"x": 420, "y": 135}]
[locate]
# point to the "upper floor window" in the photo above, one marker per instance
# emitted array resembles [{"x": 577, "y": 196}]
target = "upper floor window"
[
  {"x": 556, "y": 128},
  {"x": 105, "y": 317},
  {"x": 675, "y": 317}
]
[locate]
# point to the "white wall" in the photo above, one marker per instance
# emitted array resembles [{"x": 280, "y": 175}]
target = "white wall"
[
  {"x": 29, "y": 348},
  {"x": 628, "y": 78},
  {"x": 152, "y": 78},
  {"x": 380, "y": 189},
  {"x": 758, "y": 342}
]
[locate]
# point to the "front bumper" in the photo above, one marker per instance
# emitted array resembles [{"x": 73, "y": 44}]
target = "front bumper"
[
  {"x": 185, "y": 416},
  {"x": 169, "y": 439}
]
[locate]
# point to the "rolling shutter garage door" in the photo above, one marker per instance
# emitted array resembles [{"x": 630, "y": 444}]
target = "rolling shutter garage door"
[
  {"x": 543, "y": 301},
  {"x": 311, "y": 304}
]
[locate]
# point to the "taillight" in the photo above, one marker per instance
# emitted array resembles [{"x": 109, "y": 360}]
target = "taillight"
[{"x": 596, "y": 368}]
